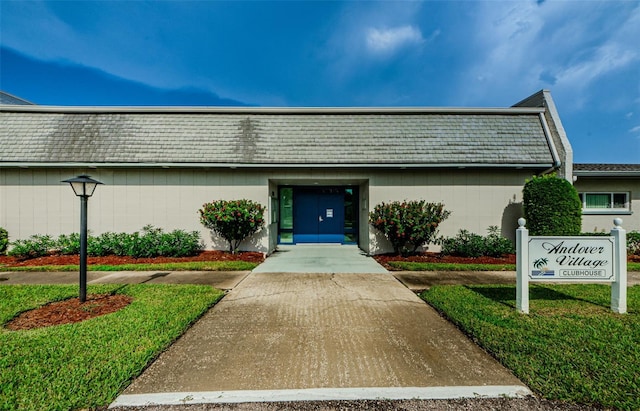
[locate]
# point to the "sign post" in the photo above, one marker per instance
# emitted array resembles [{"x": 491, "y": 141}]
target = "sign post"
[
  {"x": 619, "y": 286},
  {"x": 572, "y": 258},
  {"x": 522, "y": 259}
]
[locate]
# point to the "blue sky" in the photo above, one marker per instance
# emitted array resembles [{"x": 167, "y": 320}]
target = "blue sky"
[{"x": 334, "y": 53}]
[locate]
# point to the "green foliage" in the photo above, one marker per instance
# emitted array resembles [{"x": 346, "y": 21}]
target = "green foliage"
[
  {"x": 233, "y": 220},
  {"x": 87, "y": 364},
  {"x": 633, "y": 243},
  {"x": 571, "y": 347},
  {"x": 551, "y": 206},
  {"x": 68, "y": 244},
  {"x": 33, "y": 247},
  {"x": 120, "y": 244},
  {"x": 467, "y": 244},
  {"x": 152, "y": 242},
  {"x": 408, "y": 225},
  {"x": 4, "y": 240}
]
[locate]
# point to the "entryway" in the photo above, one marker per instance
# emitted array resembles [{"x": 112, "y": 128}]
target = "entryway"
[
  {"x": 319, "y": 258},
  {"x": 318, "y": 214}
]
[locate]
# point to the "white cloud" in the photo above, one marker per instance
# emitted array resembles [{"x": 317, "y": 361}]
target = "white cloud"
[
  {"x": 387, "y": 41},
  {"x": 636, "y": 129},
  {"x": 522, "y": 47}
]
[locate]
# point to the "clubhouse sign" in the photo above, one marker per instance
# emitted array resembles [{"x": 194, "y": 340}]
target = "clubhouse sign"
[
  {"x": 571, "y": 258},
  {"x": 575, "y": 259}
]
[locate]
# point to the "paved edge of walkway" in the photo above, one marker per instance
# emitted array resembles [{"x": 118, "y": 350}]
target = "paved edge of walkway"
[{"x": 322, "y": 394}]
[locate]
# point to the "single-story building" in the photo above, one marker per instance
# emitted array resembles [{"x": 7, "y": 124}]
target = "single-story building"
[
  {"x": 608, "y": 191},
  {"x": 319, "y": 171}
]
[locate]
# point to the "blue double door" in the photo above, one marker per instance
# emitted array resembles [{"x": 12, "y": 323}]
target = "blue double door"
[{"x": 318, "y": 215}]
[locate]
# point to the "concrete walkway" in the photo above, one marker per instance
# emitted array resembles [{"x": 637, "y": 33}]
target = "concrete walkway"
[
  {"x": 320, "y": 336},
  {"x": 319, "y": 258}
]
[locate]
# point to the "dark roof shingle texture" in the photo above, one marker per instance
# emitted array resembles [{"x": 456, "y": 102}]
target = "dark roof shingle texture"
[{"x": 272, "y": 139}]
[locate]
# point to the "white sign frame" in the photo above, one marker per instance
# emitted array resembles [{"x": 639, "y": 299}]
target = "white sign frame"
[
  {"x": 581, "y": 259},
  {"x": 573, "y": 259}
]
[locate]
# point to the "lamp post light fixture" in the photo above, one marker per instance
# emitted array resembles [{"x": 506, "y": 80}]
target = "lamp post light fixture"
[{"x": 83, "y": 186}]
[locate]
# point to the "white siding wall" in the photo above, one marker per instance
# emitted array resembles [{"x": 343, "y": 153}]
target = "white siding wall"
[
  {"x": 34, "y": 201},
  {"x": 477, "y": 199}
]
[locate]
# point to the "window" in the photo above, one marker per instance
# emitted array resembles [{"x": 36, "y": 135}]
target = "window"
[
  {"x": 610, "y": 202},
  {"x": 286, "y": 215}
]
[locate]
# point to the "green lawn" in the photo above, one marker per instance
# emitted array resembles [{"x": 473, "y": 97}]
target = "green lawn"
[
  {"x": 416, "y": 266},
  {"x": 571, "y": 347},
  {"x": 87, "y": 364},
  {"x": 187, "y": 266}
]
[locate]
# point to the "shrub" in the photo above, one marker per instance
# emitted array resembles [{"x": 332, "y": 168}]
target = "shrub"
[
  {"x": 4, "y": 240},
  {"x": 35, "y": 246},
  {"x": 464, "y": 244},
  {"x": 408, "y": 225},
  {"x": 551, "y": 206},
  {"x": 109, "y": 243},
  {"x": 467, "y": 244},
  {"x": 633, "y": 243},
  {"x": 155, "y": 242},
  {"x": 68, "y": 244},
  {"x": 152, "y": 242},
  {"x": 233, "y": 220}
]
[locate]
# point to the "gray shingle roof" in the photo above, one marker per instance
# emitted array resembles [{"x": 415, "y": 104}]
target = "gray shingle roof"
[
  {"x": 604, "y": 169},
  {"x": 269, "y": 137}
]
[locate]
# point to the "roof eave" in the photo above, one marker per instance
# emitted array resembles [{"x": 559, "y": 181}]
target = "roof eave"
[
  {"x": 272, "y": 165},
  {"x": 269, "y": 110},
  {"x": 601, "y": 173}
]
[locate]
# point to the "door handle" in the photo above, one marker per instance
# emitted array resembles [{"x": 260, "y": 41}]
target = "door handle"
[{"x": 320, "y": 218}]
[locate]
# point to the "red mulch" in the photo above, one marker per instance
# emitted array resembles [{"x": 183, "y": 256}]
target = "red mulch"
[
  {"x": 116, "y": 260},
  {"x": 69, "y": 311}
]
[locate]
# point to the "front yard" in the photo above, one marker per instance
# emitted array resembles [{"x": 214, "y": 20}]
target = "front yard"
[
  {"x": 571, "y": 347},
  {"x": 88, "y": 363}
]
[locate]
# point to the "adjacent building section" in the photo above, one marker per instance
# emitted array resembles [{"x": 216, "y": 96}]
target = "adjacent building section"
[{"x": 608, "y": 191}]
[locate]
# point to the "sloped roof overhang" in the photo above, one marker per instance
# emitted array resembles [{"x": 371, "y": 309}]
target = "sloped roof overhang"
[{"x": 498, "y": 160}]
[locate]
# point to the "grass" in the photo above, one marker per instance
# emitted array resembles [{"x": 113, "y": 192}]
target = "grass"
[
  {"x": 416, "y": 266},
  {"x": 87, "y": 364},
  {"x": 185, "y": 266},
  {"x": 571, "y": 347}
]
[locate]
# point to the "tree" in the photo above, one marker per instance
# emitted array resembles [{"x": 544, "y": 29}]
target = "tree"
[
  {"x": 551, "y": 206},
  {"x": 408, "y": 225},
  {"x": 233, "y": 220}
]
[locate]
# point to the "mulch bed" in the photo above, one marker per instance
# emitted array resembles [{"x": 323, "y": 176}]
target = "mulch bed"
[
  {"x": 69, "y": 311},
  {"x": 8, "y": 261}
]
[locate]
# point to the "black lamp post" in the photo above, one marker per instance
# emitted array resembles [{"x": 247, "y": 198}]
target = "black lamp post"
[{"x": 83, "y": 186}]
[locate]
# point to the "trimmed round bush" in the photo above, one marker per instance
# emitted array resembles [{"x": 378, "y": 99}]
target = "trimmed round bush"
[
  {"x": 233, "y": 220},
  {"x": 408, "y": 225},
  {"x": 551, "y": 206},
  {"x": 4, "y": 241}
]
